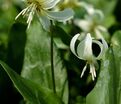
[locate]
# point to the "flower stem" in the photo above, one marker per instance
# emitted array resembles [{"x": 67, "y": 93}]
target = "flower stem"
[{"x": 52, "y": 62}]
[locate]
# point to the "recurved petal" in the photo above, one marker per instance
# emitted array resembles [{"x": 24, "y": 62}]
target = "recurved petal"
[
  {"x": 61, "y": 16},
  {"x": 89, "y": 8},
  {"x": 99, "y": 14},
  {"x": 103, "y": 48},
  {"x": 105, "y": 45},
  {"x": 72, "y": 44}
]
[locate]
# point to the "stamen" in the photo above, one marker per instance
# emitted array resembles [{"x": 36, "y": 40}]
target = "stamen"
[
  {"x": 24, "y": 11},
  {"x": 31, "y": 14},
  {"x": 92, "y": 71},
  {"x": 20, "y": 13},
  {"x": 84, "y": 69}
]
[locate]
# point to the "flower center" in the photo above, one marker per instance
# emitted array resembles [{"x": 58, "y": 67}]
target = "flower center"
[{"x": 36, "y": 5}]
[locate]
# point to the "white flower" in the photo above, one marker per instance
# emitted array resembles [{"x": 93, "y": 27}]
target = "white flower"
[
  {"x": 84, "y": 51},
  {"x": 42, "y": 9}
]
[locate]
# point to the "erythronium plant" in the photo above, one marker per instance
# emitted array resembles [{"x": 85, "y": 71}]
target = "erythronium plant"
[
  {"x": 42, "y": 10},
  {"x": 84, "y": 51}
]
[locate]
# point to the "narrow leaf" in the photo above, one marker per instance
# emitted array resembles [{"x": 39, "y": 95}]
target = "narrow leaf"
[{"x": 31, "y": 91}]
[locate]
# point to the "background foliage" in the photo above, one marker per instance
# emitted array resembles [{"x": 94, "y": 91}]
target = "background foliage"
[{"x": 27, "y": 52}]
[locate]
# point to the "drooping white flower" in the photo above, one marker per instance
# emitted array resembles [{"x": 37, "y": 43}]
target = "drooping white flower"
[
  {"x": 84, "y": 51},
  {"x": 41, "y": 8}
]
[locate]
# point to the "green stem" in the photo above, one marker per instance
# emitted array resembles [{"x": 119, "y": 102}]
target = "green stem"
[{"x": 52, "y": 63}]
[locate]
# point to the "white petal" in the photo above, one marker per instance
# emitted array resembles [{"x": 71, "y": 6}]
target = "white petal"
[
  {"x": 84, "y": 49},
  {"x": 105, "y": 45},
  {"x": 99, "y": 13},
  {"x": 72, "y": 44},
  {"x": 45, "y": 22},
  {"x": 89, "y": 8},
  {"x": 103, "y": 48},
  {"x": 48, "y": 4},
  {"x": 61, "y": 15},
  {"x": 102, "y": 28},
  {"x": 98, "y": 33},
  {"x": 85, "y": 25}
]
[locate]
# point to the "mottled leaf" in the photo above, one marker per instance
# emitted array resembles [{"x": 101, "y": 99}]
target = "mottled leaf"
[
  {"x": 37, "y": 62},
  {"x": 107, "y": 89}
]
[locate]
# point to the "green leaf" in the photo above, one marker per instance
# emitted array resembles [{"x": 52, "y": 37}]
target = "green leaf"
[
  {"x": 32, "y": 92},
  {"x": 107, "y": 89},
  {"x": 60, "y": 33},
  {"x": 37, "y": 66},
  {"x": 7, "y": 15},
  {"x": 16, "y": 45}
]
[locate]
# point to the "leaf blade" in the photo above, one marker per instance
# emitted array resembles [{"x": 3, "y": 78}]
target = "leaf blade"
[
  {"x": 37, "y": 66},
  {"x": 107, "y": 89},
  {"x": 31, "y": 91}
]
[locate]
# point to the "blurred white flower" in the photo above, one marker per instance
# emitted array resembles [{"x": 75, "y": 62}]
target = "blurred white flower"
[
  {"x": 92, "y": 22},
  {"x": 68, "y": 4},
  {"x": 90, "y": 9},
  {"x": 84, "y": 51},
  {"x": 42, "y": 10}
]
